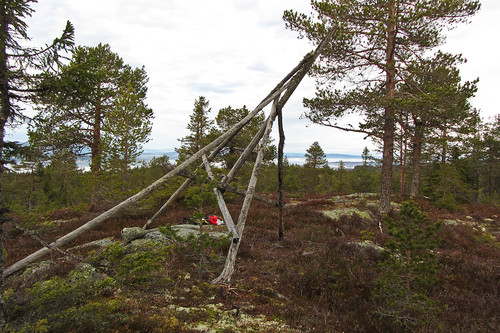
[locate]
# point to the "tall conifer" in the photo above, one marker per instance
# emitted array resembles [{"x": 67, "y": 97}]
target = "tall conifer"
[{"x": 373, "y": 43}]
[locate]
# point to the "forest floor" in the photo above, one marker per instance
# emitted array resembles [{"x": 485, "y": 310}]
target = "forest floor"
[{"x": 319, "y": 278}]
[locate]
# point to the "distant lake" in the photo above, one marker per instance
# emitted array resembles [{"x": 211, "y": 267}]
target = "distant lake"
[{"x": 350, "y": 161}]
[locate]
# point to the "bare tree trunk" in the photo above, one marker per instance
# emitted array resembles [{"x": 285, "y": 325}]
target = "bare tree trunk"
[
  {"x": 388, "y": 136},
  {"x": 170, "y": 201},
  {"x": 402, "y": 165},
  {"x": 5, "y": 108},
  {"x": 228, "y": 270},
  {"x": 417, "y": 151},
  {"x": 281, "y": 196},
  {"x": 222, "y": 204},
  {"x": 244, "y": 156},
  {"x": 137, "y": 197}
]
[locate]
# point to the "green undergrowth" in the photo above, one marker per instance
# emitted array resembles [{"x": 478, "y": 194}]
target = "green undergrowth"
[
  {"x": 116, "y": 283},
  {"x": 327, "y": 274}
]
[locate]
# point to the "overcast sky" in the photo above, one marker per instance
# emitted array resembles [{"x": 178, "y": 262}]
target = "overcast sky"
[{"x": 234, "y": 52}]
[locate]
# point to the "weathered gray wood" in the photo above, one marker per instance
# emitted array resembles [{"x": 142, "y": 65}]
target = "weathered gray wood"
[
  {"x": 228, "y": 270},
  {"x": 116, "y": 210},
  {"x": 296, "y": 78},
  {"x": 169, "y": 202},
  {"x": 256, "y": 196},
  {"x": 184, "y": 185},
  {"x": 245, "y": 155},
  {"x": 222, "y": 204},
  {"x": 288, "y": 84}
]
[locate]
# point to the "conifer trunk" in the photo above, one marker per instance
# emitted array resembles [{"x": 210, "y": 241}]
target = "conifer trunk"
[
  {"x": 95, "y": 166},
  {"x": 417, "y": 152},
  {"x": 4, "y": 114},
  {"x": 388, "y": 137},
  {"x": 402, "y": 164}
]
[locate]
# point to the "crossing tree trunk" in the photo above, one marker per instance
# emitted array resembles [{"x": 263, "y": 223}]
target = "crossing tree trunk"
[{"x": 286, "y": 87}]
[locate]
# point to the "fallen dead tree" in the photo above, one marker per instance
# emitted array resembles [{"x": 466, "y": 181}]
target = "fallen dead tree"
[{"x": 278, "y": 97}]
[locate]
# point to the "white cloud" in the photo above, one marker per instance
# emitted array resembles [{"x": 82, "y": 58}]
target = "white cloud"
[{"x": 233, "y": 52}]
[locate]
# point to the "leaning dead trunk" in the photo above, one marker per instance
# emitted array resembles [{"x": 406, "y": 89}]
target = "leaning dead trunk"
[
  {"x": 115, "y": 211},
  {"x": 228, "y": 270}
]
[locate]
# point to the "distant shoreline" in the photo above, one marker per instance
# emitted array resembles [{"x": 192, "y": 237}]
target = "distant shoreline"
[{"x": 350, "y": 161}]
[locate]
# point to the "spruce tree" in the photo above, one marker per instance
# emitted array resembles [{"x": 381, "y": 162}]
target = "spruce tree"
[{"x": 200, "y": 126}]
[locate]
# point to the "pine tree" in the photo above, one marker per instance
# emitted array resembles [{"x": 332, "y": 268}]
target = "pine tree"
[
  {"x": 126, "y": 128},
  {"x": 436, "y": 108},
  {"x": 373, "y": 41},
  {"x": 74, "y": 111},
  {"x": 315, "y": 157},
  {"x": 408, "y": 270}
]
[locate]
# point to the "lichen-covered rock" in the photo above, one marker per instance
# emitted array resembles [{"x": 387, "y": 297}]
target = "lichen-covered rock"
[
  {"x": 233, "y": 320},
  {"x": 157, "y": 236},
  {"x": 185, "y": 230},
  {"x": 186, "y": 226},
  {"x": 338, "y": 213},
  {"x": 129, "y": 234},
  {"x": 368, "y": 244},
  {"x": 136, "y": 235},
  {"x": 354, "y": 198}
]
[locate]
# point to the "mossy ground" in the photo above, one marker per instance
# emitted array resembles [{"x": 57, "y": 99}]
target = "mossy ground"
[{"x": 316, "y": 279}]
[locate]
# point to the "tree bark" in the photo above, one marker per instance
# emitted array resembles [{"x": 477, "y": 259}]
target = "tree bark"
[
  {"x": 402, "y": 164},
  {"x": 95, "y": 165},
  {"x": 222, "y": 204},
  {"x": 5, "y": 108},
  {"x": 228, "y": 270},
  {"x": 388, "y": 136},
  {"x": 281, "y": 196},
  {"x": 417, "y": 152}
]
